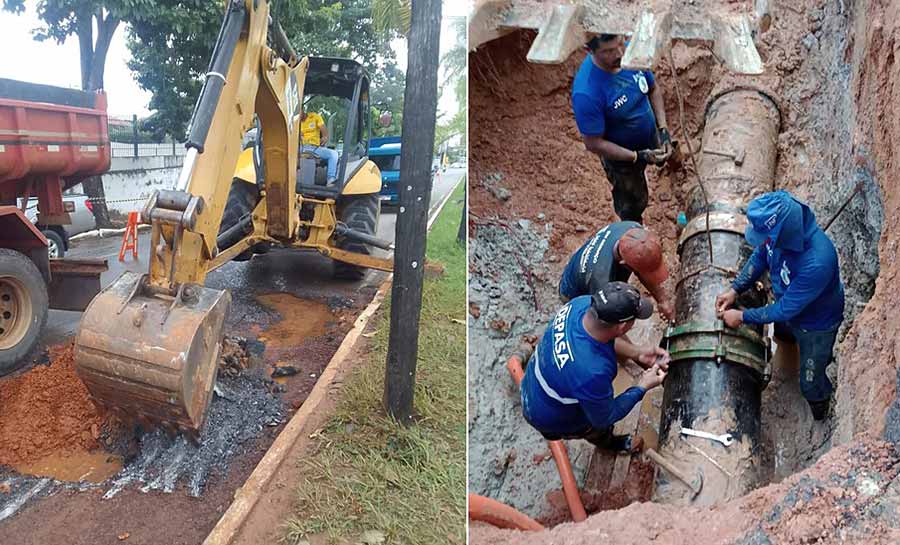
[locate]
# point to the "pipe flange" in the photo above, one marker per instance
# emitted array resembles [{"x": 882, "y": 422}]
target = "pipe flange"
[
  {"x": 719, "y": 221},
  {"x": 756, "y": 83}
]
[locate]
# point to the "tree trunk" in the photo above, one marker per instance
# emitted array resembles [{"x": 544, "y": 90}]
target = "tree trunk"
[
  {"x": 93, "y": 62},
  {"x": 419, "y": 108}
]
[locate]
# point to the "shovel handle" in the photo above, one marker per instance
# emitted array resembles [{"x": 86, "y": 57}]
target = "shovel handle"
[{"x": 657, "y": 459}]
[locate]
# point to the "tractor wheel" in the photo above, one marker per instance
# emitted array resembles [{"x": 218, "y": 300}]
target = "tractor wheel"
[
  {"x": 360, "y": 213},
  {"x": 242, "y": 199},
  {"x": 23, "y": 309}
]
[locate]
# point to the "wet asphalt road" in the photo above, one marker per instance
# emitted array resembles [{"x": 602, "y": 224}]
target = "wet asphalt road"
[{"x": 305, "y": 274}]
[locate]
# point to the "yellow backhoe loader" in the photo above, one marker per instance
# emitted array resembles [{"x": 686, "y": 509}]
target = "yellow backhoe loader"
[{"x": 148, "y": 345}]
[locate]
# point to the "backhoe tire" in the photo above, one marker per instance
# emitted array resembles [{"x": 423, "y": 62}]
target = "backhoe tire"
[
  {"x": 242, "y": 199},
  {"x": 360, "y": 213},
  {"x": 23, "y": 309}
]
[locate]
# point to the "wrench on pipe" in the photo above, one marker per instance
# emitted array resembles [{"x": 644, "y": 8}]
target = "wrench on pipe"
[{"x": 726, "y": 438}]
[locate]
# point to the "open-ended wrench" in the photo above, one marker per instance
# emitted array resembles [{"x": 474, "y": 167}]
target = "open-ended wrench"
[{"x": 726, "y": 438}]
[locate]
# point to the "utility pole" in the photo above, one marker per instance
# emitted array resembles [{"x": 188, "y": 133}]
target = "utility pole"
[{"x": 419, "y": 112}]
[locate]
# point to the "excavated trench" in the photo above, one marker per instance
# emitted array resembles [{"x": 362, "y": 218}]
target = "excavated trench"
[{"x": 536, "y": 195}]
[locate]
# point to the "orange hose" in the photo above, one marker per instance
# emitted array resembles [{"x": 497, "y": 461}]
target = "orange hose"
[
  {"x": 500, "y": 515},
  {"x": 570, "y": 488}
]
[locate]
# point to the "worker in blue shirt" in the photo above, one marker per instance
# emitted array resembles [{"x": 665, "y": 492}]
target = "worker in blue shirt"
[
  {"x": 806, "y": 281},
  {"x": 567, "y": 390},
  {"x": 622, "y": 119}
]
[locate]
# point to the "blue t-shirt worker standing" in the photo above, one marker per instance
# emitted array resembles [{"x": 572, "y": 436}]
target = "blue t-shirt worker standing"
[
  {"x": 567, "y": 390},
  {"x": 806, "y": 280},
  {"x": 622, "y": 119}
]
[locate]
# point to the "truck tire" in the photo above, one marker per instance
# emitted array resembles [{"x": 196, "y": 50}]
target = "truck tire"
[
  {"x": 23, "y": 309},
  {"x": 57, "y": 248},
  {"x": 360, "y": 213}
]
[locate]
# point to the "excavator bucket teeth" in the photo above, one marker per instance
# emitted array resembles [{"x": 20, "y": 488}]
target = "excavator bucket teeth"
[{"x": 152, "y": 358}]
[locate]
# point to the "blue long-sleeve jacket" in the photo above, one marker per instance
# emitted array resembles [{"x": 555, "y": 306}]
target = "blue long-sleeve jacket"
[
  {"x": 803, "y": 267},
  {"x": 567, "y": 387}
]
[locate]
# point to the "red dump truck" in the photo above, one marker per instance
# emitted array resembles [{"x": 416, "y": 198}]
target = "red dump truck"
[{"x": 50, "y": 139}]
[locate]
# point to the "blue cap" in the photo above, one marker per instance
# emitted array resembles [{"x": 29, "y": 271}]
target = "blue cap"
[{"x": 770, "y": 214}]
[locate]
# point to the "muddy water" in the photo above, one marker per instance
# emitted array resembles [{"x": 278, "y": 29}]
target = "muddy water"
[
  {"x": 300, "y": 319},
  {"x": 93, "y": 467}
]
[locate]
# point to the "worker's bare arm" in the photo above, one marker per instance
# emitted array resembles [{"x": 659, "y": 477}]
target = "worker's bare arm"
[
  {"x": 659, "y": 107},
  {"x": 608, "y": 150}
]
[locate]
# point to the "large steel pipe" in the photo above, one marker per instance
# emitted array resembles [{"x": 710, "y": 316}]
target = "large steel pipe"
[{"x": 717, "y": 374}]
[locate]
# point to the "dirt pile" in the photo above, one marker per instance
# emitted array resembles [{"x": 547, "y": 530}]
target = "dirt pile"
[{"x": 48, "y": 411}]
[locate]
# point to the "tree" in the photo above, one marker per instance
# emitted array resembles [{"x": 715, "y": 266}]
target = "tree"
[
  {"x": 170, "y": 52},
  {"x": 453, "y": 63},
  {"x": 387, "y": 96},
  {"x": 64, "y": 18}
]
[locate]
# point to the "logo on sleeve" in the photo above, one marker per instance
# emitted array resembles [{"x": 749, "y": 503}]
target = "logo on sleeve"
[
  {"x": 785, "y": 274},
  {"x": 641, "y": 80},
  {"x": 562, "y": 353}
]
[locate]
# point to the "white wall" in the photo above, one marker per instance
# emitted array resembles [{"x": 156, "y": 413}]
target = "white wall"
[{"x": 131, "y": 180}]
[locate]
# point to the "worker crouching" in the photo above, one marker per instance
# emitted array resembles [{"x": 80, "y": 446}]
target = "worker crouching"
[
  {"x": 567, "y": 391},
  {"x": 809, "y": 296}
]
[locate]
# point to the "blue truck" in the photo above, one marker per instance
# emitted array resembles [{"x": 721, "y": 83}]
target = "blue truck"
[{"x": 385, "y": 153}]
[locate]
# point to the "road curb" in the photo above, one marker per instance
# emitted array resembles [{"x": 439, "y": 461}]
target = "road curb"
[{"x": 247, "y": 496}]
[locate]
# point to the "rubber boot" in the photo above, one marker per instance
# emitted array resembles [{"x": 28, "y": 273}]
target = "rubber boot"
[{"x": 820, "y": 408}]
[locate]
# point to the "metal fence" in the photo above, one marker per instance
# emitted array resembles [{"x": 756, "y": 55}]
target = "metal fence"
[
  {"x": 128, "y": 149},
  {"x": 128, "y": 140}
]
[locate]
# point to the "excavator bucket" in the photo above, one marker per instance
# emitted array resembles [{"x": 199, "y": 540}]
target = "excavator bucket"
[
  {"x": 564, "y": 26},
  {"x": 151, "y": 357}
]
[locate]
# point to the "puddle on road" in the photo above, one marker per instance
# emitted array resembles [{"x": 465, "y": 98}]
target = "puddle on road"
[
  {"x": 301, "y": 319},
  {"x": 93, "y": 467}
]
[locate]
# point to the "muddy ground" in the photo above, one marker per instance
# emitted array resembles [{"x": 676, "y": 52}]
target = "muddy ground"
[
  {"x": 171, "y": 491},
  {"x": 536, "y": 195}
]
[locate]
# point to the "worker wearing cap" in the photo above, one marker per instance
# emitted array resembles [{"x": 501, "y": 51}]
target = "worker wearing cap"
[
  {"x": 622, "y": 119},
  {"x": 615, "y": 252},
  {"x": 806, "y": 281},
  {"x": 567, "y": 390}
]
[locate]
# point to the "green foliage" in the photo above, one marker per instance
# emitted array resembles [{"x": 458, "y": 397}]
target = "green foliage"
[
  {"x": 388, "y": 85},
  {"x": 170, "y": 52},
  {"x": 63, "y": 18},
  {"x": 392, "y": 17},
  {"x": 453, "y": 63}
]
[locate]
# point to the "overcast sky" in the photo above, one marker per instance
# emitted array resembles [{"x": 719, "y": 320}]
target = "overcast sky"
[{"x": 48, "y": 62}]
